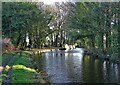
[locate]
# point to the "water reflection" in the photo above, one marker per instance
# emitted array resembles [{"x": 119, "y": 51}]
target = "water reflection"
[
  {"x": 71, "y": 66},
  {"x": 111, "y": 72}
]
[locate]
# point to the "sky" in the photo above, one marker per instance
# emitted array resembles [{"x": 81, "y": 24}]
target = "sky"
[{"x": 52, "y": 1}]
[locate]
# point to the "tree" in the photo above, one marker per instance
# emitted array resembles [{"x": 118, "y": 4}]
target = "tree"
[
  {"x": 22, "y": 18},
  {"x": 99, "y": 21}
]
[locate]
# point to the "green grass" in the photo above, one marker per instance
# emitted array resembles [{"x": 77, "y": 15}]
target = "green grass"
[
  {"x": 0, "y": 81},
  {"x": 27, "y": 52},
  {"x": 5, "y": 56},
  {"x": 4, "y": 73},
  {"x": 23, "y": 71},
  {"x": 23, "y": 74},
  {"x": 0, "y": 60}
]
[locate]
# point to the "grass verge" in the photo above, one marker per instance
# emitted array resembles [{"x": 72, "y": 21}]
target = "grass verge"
[{"x": 22, "y": 70}]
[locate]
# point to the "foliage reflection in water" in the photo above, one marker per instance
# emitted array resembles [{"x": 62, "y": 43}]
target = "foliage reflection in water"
[{"x": 65, "y": 67}]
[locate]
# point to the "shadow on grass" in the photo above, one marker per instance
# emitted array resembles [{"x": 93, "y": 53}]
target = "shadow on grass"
[{"x": 22, "y": 70}]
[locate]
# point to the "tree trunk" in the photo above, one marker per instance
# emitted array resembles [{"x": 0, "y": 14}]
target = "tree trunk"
[
  {"x": 101, "y": 46},
  {"x": 61, "y": 38},
  {"x": 118, "y": 25},
  {"x": 93, "y": 41},
  {"x": 108, "y": 43},
  {"x": 18, "y": 40},
  {"x": 56, "y": 40}
]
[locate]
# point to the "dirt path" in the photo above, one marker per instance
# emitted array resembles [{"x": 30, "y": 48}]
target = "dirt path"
[
  {"x": 44, "y": 49},
  {"x": 6, "y": 63},
  {"x": 8, "y": 74}
]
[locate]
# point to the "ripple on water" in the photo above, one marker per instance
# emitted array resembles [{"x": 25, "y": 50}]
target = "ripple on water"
[{"x": 73, "y": 67}]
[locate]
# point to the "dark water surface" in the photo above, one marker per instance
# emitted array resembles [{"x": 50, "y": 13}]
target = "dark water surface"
[{"x": 71, "y": 66}]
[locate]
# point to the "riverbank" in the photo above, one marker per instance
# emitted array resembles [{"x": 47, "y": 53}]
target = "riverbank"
[
  {"x": 94, "y": 52},
  {"x": 19, "y": 68},
  {"x": 98, "y": 53}
]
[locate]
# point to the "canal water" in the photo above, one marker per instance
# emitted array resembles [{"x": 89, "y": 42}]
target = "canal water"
[{"x": 72, "y": 67}]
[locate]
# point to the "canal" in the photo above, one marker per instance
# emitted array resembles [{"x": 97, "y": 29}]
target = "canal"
[{"x": 71, "y": 66}]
